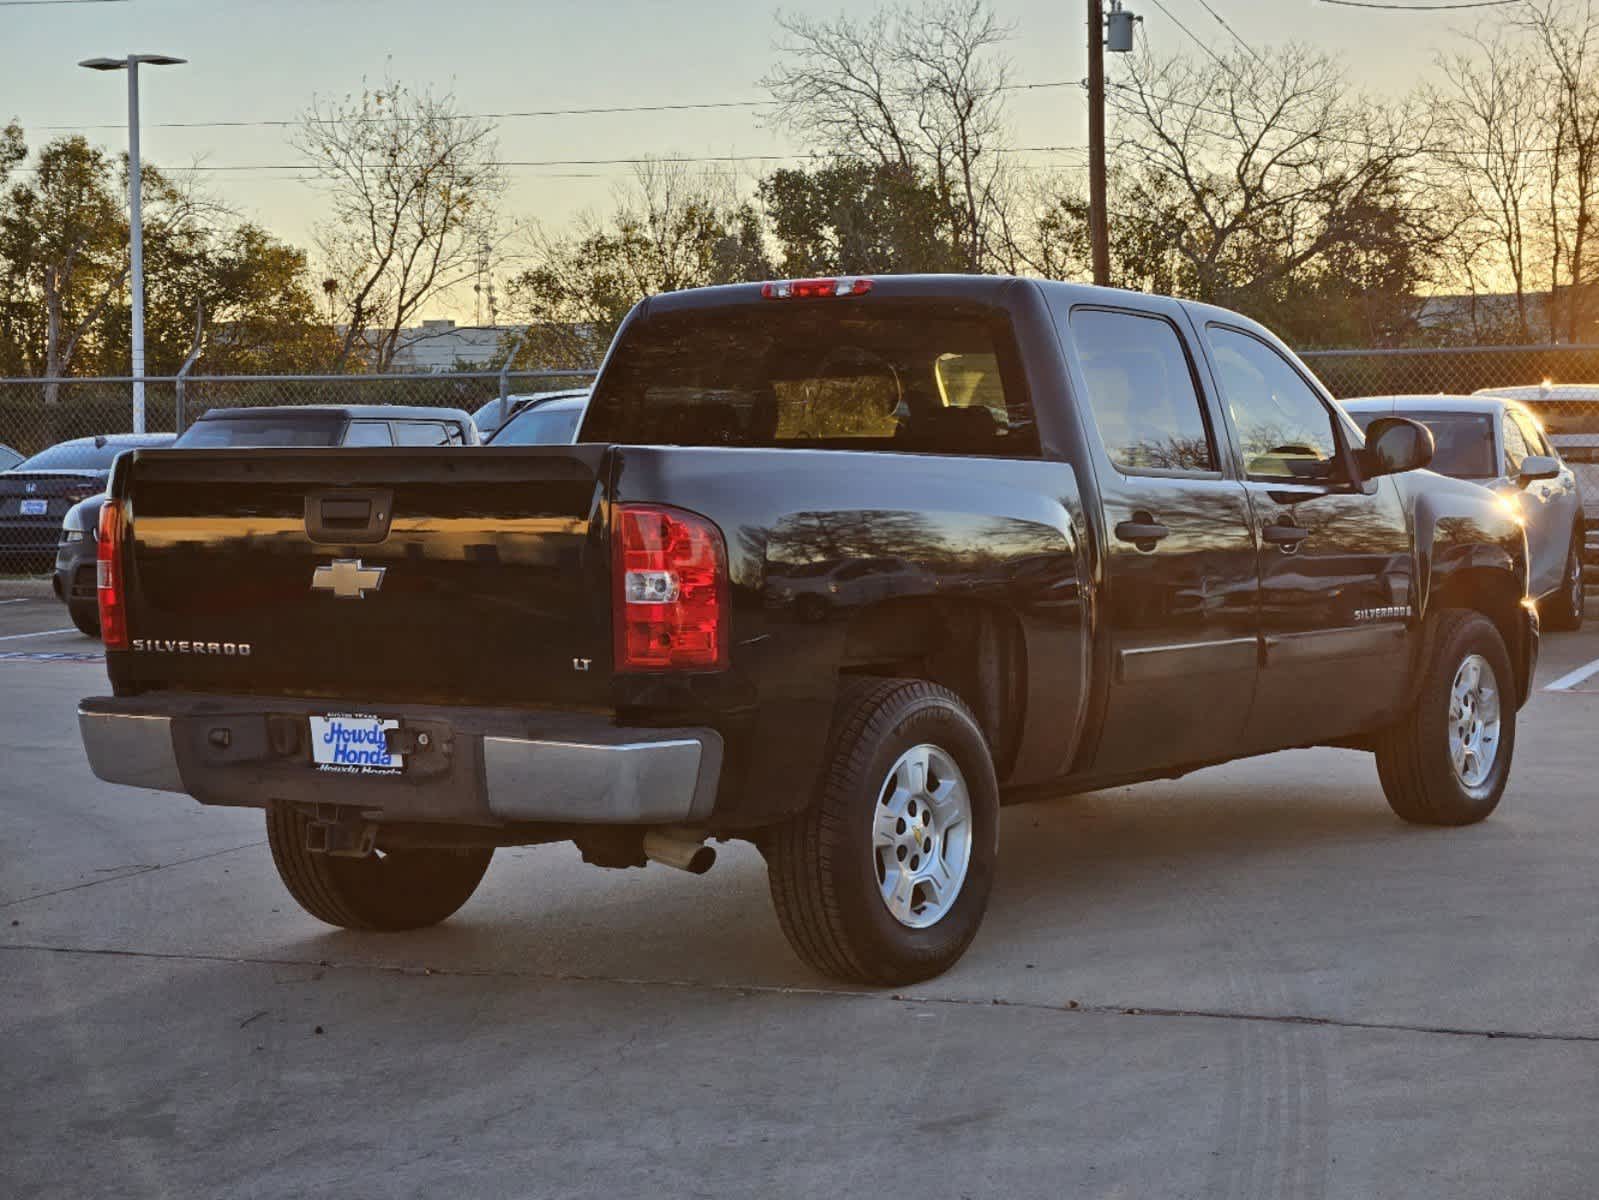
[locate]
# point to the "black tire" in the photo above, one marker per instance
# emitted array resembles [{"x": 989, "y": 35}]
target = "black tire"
[
  {"x": 822, "y": 864},
  {"x": 405, "y": 889},
  {"x": 1563, "y": 610},
  {"x": 86, "y": 619},
  {"x": 1413, "y": 755}
]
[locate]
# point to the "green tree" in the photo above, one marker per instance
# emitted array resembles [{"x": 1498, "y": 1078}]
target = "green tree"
[
  {"x": 672, "y": 228},
  {"x": 854, "y": 217},
  {"x": 63, "y": 246}
]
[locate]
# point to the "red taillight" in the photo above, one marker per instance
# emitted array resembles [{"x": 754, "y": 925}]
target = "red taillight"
[
  {"x": 810, "y": 289},
  {"x": 108, "y": 573},
  {"x": 671, "y": 590}
]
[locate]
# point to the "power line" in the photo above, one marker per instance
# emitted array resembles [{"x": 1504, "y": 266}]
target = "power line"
[
  {"x": 1421, "y": 148},
  {"x": 279, "y": 123},
  {"x": 32, "y": 3},
  {"x": 1192, "y": 36},
  {"x": 1421, "y": 7},
  {"x": 636, "y": 160},
  {"x": 1222, "y": 21}
]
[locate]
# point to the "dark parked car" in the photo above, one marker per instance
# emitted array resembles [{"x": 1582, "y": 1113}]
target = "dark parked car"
[
  {"x": 36, "y": 493},
  {"x": 1500, "y": 444},
  {"x": 1167, "y": 547},
  {"x": 489, "y": 417},
  {"x": 242, "y": 428},
  {"x": 9, "y": 457}
]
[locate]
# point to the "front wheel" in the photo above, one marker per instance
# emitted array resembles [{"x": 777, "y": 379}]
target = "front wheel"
[
  {"x": 885, "y": 878},
  {"x": 1563, "y": 611},
  {"x": 405, "y": 889},
  {"x": 1446, "y": 762}
]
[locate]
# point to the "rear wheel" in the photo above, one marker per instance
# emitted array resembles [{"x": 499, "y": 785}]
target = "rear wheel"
[
  {"x": 886, "y": 877},
  {"x": 1563, "y": 611},
  {"x": 405, "y": 889},
  {"x": 1447, "y": 761}
]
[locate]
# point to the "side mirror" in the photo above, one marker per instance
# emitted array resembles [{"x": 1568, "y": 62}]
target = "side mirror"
[
  {"x": 1537, "y": 466},
  {"x": 1395, "y": 444}
]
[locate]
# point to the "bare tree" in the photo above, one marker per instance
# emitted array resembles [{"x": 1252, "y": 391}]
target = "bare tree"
[
  {"x": 412, "y": 186},
  {"x": 1566, "y": 36},
  {"x": 1266, "y": 182},
  {"x": 921, "y": 88},
  {"x": 1493, "y": 111}
]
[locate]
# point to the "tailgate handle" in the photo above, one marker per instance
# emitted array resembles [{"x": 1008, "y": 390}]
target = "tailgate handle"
[{"x": 348, "y": 516}]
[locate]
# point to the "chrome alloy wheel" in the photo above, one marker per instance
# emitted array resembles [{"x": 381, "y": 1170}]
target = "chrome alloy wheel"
[
  {"x": 922, "y": 836},
  {"x": 1474, "y": 721}
]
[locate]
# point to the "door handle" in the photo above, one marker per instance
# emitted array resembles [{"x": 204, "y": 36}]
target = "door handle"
[
  {"x": 1142, "y": 533},
  {"x": 1286, "y": 536}
]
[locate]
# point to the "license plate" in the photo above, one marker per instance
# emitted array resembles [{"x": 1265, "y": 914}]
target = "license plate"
[
  {"x": 354, "y": 744},
  {"x": 35, "y": 508}
]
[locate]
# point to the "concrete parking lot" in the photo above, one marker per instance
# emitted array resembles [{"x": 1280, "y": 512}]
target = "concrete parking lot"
[{"x": 1253, "y": 982}]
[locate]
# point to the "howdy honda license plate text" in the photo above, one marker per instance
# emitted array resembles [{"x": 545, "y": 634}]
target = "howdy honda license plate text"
[{"x": 354, "y": 743}]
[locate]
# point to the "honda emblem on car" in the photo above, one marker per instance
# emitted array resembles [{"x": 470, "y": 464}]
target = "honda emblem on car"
[
  {"x": 30, "y": 488},
  {"x": 347, "y": 578}
]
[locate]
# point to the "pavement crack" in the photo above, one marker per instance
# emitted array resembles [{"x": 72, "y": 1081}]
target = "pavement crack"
[
  {"x": 1068, "y": 1008},
  {"x": 134, "y": 873}
]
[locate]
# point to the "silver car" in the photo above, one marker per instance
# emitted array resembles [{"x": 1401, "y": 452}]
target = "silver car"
[
  {"x": 1570, "y": 415},
  {"x": 1500, "y": 444}
]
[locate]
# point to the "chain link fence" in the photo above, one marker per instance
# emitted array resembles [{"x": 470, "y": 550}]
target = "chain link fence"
[{"x": 36, "y": 414}]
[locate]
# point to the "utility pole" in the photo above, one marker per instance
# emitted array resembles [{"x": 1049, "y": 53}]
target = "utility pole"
[
  {"x": 130, "y": 64},
  {"x": 1098, "y": 233},
  {"x": 1119, "y": 40}
]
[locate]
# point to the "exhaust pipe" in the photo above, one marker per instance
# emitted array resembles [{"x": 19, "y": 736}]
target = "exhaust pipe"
[{"x": 679, "y": 848}]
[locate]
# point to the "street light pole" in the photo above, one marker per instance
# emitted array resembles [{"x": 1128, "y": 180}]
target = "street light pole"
[
  {"x": 130, "y": 64},
  {"x": 136, "y": 242},
  {"x": 1098, "y": 233}
]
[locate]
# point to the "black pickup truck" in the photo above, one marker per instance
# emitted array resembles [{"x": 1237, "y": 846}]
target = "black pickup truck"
[{"x": 837, "y": 566}]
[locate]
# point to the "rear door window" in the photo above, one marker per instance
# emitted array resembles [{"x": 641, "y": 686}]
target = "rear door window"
[
  {"x": 1141, "y": 391},
  {"x": 831, "y": 374}
]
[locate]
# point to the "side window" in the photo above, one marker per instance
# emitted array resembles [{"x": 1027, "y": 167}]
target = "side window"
[
  {"x": 1141, "y": 391},
  {"x": 421, "y": 433},
  {"x": 1537, "y": 442},
  {"x": 1516, "y": 447},
  {"x": 1285, "y": 428},
  {"x": 368, "y": 433}
]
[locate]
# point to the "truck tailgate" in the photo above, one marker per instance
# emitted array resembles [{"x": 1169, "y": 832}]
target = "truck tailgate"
[{"x": 437, "y": 575}]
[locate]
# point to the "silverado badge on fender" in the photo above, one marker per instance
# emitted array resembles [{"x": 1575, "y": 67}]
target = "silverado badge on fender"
[{"x": 347, "y": 578}]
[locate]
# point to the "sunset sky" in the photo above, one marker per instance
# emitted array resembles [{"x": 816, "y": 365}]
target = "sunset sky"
[{"x": 254, "y": 60}]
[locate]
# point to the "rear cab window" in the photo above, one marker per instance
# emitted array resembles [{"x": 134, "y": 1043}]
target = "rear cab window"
[{"x": 855, "y": 374}]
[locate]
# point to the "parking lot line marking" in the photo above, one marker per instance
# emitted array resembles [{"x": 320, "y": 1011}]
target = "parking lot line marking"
[
  {"x": 18, "y": 600},
  {"x": 1572, "y": 678},
  {"x": 11, "y": 637}
]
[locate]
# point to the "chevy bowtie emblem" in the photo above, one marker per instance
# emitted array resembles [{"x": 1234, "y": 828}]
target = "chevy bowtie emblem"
[{"x": 347, "y": 579}]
